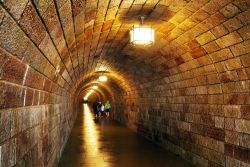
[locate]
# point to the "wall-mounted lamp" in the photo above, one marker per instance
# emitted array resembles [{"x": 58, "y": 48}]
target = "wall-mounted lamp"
[
  {"x": 103, "y": 78},
  {"x": 142, "y": 35},
  {"x": 95, "y": 87}
]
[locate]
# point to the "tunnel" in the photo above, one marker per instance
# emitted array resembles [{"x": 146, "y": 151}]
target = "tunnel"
[{"x": 187, "y": 93}]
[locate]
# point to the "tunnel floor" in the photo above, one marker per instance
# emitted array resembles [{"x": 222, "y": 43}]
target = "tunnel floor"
[{"x": 106, "y": 143}]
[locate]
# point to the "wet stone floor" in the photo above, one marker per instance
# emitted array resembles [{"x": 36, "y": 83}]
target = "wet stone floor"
[{"x": 106, "y": 143}]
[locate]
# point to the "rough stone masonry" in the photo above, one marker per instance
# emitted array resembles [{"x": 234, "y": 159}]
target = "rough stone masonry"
[{"x": 189, "y": 92}]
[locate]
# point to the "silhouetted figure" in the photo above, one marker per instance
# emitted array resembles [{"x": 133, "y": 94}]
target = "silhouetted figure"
[
  {"x": 102, "y": 110},
  {"x": 95, "y": 108},
  {"x": 107, "y": 108},
  {"x": 99, "y": 108}
]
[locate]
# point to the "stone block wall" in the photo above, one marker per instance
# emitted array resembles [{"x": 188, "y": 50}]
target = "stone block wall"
[
  {"x": 208, "y": 130},
  {"x": 188, "y": 92},
  {"x": 36, "y": 108},
  {"x": 36, "y": 115}
]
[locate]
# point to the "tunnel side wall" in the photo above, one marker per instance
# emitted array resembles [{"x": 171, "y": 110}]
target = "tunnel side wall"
[
  {"x": 36, "y": 115},
  {"x": 206, "y": 129},
  {"x": 203, "y": 117}
]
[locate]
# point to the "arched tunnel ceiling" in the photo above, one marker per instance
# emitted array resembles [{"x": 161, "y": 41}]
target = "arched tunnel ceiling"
[{"x": 83, "y": 36}]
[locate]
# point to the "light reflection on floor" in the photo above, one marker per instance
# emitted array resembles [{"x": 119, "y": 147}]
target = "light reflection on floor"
[
  {"x": 106, "y": 143},
  {"x": 91, "y": 140}
]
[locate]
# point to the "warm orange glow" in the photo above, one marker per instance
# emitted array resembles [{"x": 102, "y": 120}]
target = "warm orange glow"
[{"x": 95, "y": 87}]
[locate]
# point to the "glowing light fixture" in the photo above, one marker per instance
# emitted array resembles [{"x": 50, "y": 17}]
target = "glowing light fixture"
[
  {"x": 142, "y": 35},
  {"x": 95, "y": 87},
  {"x": 103, "y": 78},
  {"x": 88, "y": 94}
]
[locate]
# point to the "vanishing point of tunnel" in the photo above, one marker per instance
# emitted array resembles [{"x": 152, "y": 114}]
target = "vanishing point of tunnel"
[{"x": 177, "y": 78}]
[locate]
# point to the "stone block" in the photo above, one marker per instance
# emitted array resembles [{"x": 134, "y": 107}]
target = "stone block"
[
  {"x": 221, "y": 55},
  {"x": 34, "y": 58},
  {"x": 32, "y": 76},
  {"x": 241, "y": 154},
  {"x": 220, "y": 67},
  {"x": 213, "y": 79},
  {"x": 15, "y": 7},
  {"x": 242, "y": 4},
  {"x": 228, "y": 40},
  {"x": 11, "y": 69},
  {"x": 232, "y": 111},
  {"x": 78, "y": 7},
  {"x": 49, "y": 50},
  {"x": 6, "y": 157},
  {"x": 207, "y": 120},
  {"x": 198, "y": 52},
  {"x": 242, "y": 74},
  {"x": 229, "y": 149},
  {"x": 205, "y": 38},
  {"x": 244, "y": 32},
  {"x": 230, "y": 10},
  {"x": 5, "y": 125},
  {"x": 11, "y": 96},
  {"x": 215, "y": 99},
  {"x": 214, "y": 89},
  {"x": 211, "y": 47},
  {"x": 245, "y": 140},
  {"x": 245, "y": 59},
  {"x": 229, "y": 76},
  {"x": 31, "y": 24},
  {"x": 242, "y": 125},
  {"x": 219, "y": 122},
  {"x": 36, "y": 97},
  {"x": 12, "y": 38},
  {"x": 241, "y": 48},
  {"x": 234, "y": 63},
  {"x": 219, "y": 31},
  {"x": 230, "y": 123},
  {"x": 215, "y": 133},
  {"x": 28, "y": 101},
  {"x": 232, "y": 137},
  {"x": 47, "y": 85},
  {"x": 236, "y": 98},
  {"x": 193, "y": 44},
  {"x": 245, "y": 112},
  {"x": 233, "y": 24},
  {"x": 22, "y": 142}
]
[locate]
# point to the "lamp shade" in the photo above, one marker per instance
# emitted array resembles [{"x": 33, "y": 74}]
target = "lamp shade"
[
  {"x": 142, "y": 35},
  {"x": 103, "y": 78}
]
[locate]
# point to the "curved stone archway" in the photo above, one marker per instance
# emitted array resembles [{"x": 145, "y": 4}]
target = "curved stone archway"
[{"x": 189, "y": 92}]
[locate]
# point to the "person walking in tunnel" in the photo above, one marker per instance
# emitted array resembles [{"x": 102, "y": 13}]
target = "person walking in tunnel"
[
  {"x": 99, "y": 108},
  {"x": 95, "y": 108},
  {"x": 102, "y": 110},
  {"x": 107, "y": 108}
]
